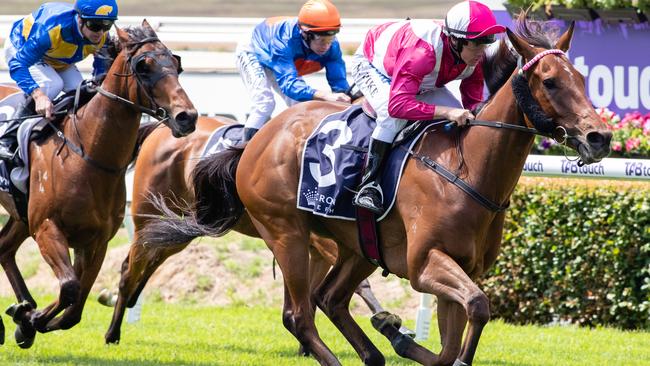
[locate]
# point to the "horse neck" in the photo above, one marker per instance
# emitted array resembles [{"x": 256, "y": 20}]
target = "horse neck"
[
  {"x": 108, "y": 128},
  {"x": 500, "y": 153}
]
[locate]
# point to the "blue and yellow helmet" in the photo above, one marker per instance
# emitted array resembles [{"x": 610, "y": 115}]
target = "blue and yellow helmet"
[{"x": 96, "y": 9}]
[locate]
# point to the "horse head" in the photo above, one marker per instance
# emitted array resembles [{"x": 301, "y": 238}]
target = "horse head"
[
  {"x": 551, "y": 92},
  {"x": 155, "y": 72}
]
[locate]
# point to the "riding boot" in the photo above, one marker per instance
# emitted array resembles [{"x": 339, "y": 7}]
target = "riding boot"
[
  {"x": 370, "y": 195},
  {"x": 248, "y": 134},
  {"x": 8, "y": 139}
]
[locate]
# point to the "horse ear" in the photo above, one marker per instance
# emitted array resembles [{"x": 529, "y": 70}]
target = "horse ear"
[
  {"x": 522, "y": 47},
  {"x": 122, "y": 35},
  {"x": 147, "y": 26},
  {"x": 564, "y": 42}
]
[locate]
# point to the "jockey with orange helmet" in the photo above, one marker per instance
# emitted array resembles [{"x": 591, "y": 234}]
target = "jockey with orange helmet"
[
  {"x": 43, "y": 48},
  {"x": 281, "y": 50},
  {"x": 402, "y": 68}
]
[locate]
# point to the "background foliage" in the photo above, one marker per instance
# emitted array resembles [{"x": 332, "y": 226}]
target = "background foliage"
[{"x": 576, "y": 253}]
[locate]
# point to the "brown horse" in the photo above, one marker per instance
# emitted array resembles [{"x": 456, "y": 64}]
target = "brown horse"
[
  {"x": 76, "y": 189},
  {"x": 437, "y": 236},
  {"x": 164, "y": 167}
]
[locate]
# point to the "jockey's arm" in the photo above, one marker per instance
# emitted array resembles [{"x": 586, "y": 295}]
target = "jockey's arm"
[
  {"x": 30, "y": 53},
  {"x": 335, "y": 70},
  {"x": 471, "y": 88}
]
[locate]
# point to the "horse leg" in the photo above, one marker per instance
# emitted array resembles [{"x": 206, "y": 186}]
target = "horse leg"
[
  {"x": 54, "y": 249},
  {"x": 87, "y": 264},
  {"x": 13, "y": 234},
  {"x": 451, "y": 324},
  {"x": 294, "y": 263},
  {"x": 365, "y": 292},
  {"x": 442, "y": 276},
  {"x": 137, "y": 268},
  {"x": 334, "y": 296}
]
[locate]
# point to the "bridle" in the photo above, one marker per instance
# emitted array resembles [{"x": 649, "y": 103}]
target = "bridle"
[
  {"x": 544, "y": 126},
  {"x": 145, "y": 82}
]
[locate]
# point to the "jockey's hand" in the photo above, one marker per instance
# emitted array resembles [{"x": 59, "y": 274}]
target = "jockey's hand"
[
  {"x": 461, "y": 116},
  {"x": 43, "y": 104},
  {"x": 332, "y": 97}
]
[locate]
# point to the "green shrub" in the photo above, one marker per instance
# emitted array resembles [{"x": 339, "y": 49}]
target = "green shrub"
[{"x": 576, "y": 253}]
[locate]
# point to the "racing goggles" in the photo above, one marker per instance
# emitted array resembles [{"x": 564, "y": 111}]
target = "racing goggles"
[{"x": 96, "y": 25}]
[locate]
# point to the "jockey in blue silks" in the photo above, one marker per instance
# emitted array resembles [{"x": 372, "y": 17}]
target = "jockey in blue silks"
[
  {"x": 283, "y": 49},
  {"x": 44, "y": 47}
]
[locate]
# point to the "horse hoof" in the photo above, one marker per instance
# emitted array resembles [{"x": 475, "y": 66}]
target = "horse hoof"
[
  {"x": 112, "y": 339},
  {"x": 107, "y": 298},
  {"x": 304, "y": 351},
  {"x": 17, "y": 311},
  {"x": 383, "y": 319},
  {"x": 24, "y": 337}
]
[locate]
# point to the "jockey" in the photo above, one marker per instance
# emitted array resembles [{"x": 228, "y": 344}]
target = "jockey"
[
  {"x": 43, "y": 48},
  {"x": 282, "y": 50},
  {"x": 402, "y": 68}
]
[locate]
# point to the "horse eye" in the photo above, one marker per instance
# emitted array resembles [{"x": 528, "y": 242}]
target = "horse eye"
[
  {"x": 141, "y": 67},
  {"x": 549, "y": 83}
]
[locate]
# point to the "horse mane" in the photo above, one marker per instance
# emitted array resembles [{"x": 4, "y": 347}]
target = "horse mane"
[
  {"x": 499, "y": 65},
  {"x": 136, "y": 34}
]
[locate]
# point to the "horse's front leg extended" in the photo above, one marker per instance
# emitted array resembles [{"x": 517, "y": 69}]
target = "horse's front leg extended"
[
  {"x": 88, "y": 262},
  {"x": 55, "y": 250}
]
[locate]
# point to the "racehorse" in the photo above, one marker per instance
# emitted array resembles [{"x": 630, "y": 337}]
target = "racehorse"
[
  {"x": 76, "y": 188},
  {"x": 164, "y": 167},
  {"x": 439, "y": 236}
]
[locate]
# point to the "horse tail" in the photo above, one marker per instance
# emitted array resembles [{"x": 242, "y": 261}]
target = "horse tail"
[
  {"x": 144, "y": 131},
  {"x": 216, "y": 209}
]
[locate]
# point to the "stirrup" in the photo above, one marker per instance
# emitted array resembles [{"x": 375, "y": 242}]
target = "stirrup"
[{"x": 365, "y": 199}]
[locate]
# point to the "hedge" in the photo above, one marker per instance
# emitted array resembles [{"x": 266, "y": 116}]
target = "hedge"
[{"x": 574, "y": 251}]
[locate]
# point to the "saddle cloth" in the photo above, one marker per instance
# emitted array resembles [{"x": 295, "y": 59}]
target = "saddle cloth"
[
  {"x": 333, "y": 160},
  {"x": 222, "y": 138}
]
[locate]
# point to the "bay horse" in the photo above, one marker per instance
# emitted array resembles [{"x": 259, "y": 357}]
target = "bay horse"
[
  {"x": 437, "y": 236},
  {"x": 164, "y": 167},
  {"x": 76, "y": 189}
]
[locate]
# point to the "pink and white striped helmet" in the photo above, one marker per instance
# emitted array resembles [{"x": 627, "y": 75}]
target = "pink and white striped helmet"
[{"x": 472, "y": 20}]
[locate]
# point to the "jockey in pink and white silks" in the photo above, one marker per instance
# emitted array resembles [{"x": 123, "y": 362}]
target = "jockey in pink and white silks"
[
  {"x": 281, "y": 50},
  {"x": 43, "y": 48},
  {"x": 402, "y": 69}
]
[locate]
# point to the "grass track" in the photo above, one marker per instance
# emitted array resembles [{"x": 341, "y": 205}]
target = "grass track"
[{"x": 192, "y": 335}]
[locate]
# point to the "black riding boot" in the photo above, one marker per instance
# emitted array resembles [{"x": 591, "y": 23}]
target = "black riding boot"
[
  {"x": 8, "y": 140},
  {"x": 248, "y": 134},
  {"x": 370, "y": 195}
]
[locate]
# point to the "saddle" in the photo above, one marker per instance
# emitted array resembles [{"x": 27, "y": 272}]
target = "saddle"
[{"x": 15, "y": 173}]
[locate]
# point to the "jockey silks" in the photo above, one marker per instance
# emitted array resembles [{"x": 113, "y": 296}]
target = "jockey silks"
[
  {"x": 50, "y": 35},
  {"x": 278, "y": 45}
]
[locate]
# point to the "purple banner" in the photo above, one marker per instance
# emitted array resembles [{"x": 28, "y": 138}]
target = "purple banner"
[{"x": 615, "y": 59}]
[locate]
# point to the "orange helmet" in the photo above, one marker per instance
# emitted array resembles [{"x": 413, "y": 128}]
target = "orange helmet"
[{"x": 319, "y": 16}]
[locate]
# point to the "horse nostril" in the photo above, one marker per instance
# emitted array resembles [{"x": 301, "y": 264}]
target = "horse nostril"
[
  {"x": 599, "y": 139},
  {"x": 185, "y": 118}
]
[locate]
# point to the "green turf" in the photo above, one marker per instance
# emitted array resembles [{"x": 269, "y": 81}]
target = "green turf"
[{"x": 193, "y": 335}]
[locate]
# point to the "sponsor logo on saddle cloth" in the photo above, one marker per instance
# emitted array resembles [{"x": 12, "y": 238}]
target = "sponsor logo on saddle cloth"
[
  {"x": 333, "y": 160},
  {"x": 222, "y": 138}
]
